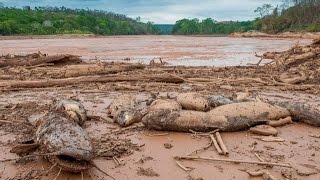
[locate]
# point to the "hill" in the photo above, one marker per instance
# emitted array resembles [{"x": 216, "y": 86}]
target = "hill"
[{"x": 54, "y": 20}]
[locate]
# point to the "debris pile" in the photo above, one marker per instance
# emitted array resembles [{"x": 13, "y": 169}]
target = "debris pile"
[
  {"x": 38, "y": 59},
  {"x": 300, "y": 64}
]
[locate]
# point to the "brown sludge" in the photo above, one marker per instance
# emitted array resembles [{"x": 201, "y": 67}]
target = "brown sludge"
[{"x": 289, "y": 85}]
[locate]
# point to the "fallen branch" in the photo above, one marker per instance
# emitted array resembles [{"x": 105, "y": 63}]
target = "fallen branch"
[
  {"x": 41, "y": 60},
  {"x": 232, "y": 161},
  {"x": 98, "y": 69},
  {"x": 269, "y": 138},
  {"x": 202, "y": 149},
  {"x": 221, "y": 143},
  {"x": 90, "y": 79},
  {"x": 187, "y": 169},
  {"x": 215, "y": 143},
  {"x": 128, "y": 128},
  {"x": 260, "y": 159}
]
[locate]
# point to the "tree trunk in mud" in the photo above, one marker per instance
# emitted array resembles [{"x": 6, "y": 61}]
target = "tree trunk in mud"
[
  {"x": 90, "y": 79},
  {"x": 304, "y": 108}
]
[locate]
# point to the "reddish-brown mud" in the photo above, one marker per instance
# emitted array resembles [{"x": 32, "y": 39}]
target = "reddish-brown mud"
[{"x": 139, "y": 153}]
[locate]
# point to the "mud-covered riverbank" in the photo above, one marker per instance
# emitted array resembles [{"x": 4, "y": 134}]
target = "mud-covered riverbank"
[{"x": 138, "y": 153}]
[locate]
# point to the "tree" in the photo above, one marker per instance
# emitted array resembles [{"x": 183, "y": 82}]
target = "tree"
[{"x": 264, "y": 10}]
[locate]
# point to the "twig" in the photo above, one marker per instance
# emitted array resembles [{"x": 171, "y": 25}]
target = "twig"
[
  {"x": 187, "y": 169},
  {"x": 229, "y": 160},
  {"x": 202, "y": 149},
  {"x": 107, "y": 150},
  {"x": 260, "y": 159},
  {"x": 6, "y": 121},
  {"x": 94, "y": 165},
  {"x": 315, "y": 136},
  {"x": 203, "y": 133},
  {"x": 99, "y": 118},
  {"x": 222, "y": 145},
  {"x": 269, "y": 138},
  {"x": 215, "y": 143},
  {"x": 54, "y": 165},
  {"x": 161, "y": 134},
  {"x": 128, "y": 128},
  {"x": 116, "y": 161},
  {"x": 58, "y": 174}
]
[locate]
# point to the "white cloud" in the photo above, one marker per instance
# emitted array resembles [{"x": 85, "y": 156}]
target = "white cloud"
[{"x": 162, "y": 11}]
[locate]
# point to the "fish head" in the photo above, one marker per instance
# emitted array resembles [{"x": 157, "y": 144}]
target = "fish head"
[
  {"x": 127, "y": 117},
  {"x": 73, "y": 160},
  {"x": 66, "y": 143},
  {"x": 73, "y": 110}
]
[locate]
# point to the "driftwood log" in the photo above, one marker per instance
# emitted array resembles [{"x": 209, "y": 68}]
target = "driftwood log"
[
  {"x": 90, "y": 79},
  {"x": 98, "y": 69},
  {"x": 65, "y": 58}
]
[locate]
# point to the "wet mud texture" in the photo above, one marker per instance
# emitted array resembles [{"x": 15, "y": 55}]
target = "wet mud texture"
[{"x": 123, "y": 153}]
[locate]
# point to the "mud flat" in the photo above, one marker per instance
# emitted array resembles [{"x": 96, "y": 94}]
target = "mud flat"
[
  {"x": 135, "y": 152},
  {"x": 174, "y": 50}
]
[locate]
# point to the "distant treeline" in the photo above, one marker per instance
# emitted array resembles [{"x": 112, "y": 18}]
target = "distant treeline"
[
  {"x": 210, "y": 26},
  {"x": 294, "y": 15},
  {"x": 54, "y": 20}
]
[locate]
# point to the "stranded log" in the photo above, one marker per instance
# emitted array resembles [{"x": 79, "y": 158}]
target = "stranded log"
[
  {"x": 65, "y": 58},
  {"x": 90, "y": 79},
  {"x": 98, "y": 69}
]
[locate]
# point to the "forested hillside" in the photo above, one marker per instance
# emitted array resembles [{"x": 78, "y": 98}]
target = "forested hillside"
[
  {"x": 53, "y": 20},
  {"x": 294, "y": 15},
  {"x": 210, "y": 26},
  {"x": 304, "y": 15}
]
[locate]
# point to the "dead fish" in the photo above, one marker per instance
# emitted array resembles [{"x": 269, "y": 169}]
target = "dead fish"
[
  {"x": 193, "y": 101},
  {"x": 128, "y": 109},
  {"x": 72, "y": 109},
  {"x": 215, "y": 101},
  {"x": 304, "y": 108},
  {"x": 251, "y": 110},
  {"x": 165, "y": 104},
  {"x": 171, "y": 119},
  {"x": 60, "y": 137},
  {"x": 186, "y": 120},
  {"x": 68, "y": 143}
]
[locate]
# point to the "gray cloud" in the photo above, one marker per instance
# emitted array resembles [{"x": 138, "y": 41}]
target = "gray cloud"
[{"x": 161, "y": 11}]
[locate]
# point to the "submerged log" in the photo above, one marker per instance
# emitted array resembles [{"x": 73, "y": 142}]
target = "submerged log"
[
  {"x": 91, "y": 79},
  {"x": 304, "y": 108}
]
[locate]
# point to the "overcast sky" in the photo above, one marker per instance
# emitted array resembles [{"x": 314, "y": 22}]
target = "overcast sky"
[{"x": 161, "y": 11}]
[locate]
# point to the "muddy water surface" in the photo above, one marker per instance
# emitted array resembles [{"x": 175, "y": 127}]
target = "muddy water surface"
[{"x": 175, "y": 50}]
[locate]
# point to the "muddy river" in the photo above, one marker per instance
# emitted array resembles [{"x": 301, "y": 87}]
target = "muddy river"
[{"x": 175, "y": 50}]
